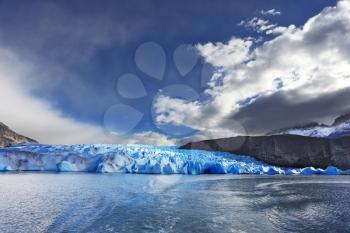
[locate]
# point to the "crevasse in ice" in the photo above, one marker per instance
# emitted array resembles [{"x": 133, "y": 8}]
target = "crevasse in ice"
[{"x": 137, "y": 159}]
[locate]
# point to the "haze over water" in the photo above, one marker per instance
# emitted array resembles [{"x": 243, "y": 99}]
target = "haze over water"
[{"x": 50, "y": 202}]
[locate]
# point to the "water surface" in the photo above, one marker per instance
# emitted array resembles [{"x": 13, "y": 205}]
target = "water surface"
[{"x": 82, "y": 202}]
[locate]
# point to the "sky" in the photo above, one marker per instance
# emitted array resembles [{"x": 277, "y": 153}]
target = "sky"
[{"x": 165, "y": 72}]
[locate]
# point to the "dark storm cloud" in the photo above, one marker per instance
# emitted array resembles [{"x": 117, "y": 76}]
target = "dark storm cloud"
[{"x": 279, "y": 111}]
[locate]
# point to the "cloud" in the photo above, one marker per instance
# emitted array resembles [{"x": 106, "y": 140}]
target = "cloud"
[
  {"x": 234, "y": 52},
  {"x": 66, "y": 34},
  {"x": 270, "y": 12},
  {"x": 260, "y": 25},
  {"x": 36, "y": 118},
  {"x": 70, "y": 41},
  {"x": 257, "y": 24},
  {"x": 37, "y": 58},
  {"x": 301, "y": 65},
  {"x": 278, "y": 30},
  {"x": 278, "y": 112},
  {"x": 151, "y": 138}
]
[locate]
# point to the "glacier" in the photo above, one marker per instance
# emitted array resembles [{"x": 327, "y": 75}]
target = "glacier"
[{"x": 143, "y": 159}]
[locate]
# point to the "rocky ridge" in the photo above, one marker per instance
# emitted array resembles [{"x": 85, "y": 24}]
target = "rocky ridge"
[{"x": 9, "y": 137}]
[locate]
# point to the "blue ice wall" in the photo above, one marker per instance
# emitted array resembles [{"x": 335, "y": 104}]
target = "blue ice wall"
[{"x": 137, "y": 159}]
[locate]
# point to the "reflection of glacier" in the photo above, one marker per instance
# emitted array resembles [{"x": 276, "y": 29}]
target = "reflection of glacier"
[{"x": 136, "y": 159}]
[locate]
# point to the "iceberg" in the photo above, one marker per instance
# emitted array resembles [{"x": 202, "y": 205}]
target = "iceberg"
[{"x": 141, "y": 159}]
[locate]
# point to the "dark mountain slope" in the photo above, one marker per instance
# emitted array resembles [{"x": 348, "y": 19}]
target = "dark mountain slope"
[{"x": 284, "y": 150}]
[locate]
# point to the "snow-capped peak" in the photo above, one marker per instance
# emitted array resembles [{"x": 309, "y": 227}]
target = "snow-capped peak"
[{"x": 339, "y": 128}]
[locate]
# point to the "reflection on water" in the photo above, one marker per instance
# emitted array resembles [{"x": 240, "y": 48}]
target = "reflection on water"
[{"x": 41, "y": 202}]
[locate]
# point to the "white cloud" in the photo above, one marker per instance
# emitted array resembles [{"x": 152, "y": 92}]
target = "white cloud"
[
  {"x": 260, "y": 25},
  {"x": 278, "y": 30},
  {"x": 263, "y": 26},
  {"x": 270, "y": 12},
  {"x": 36, "y": 118},
  {"x": 234, "y": 52},
  {"x": 151, "y": 138},
  {"x": 310, "y": 61},
  {"x": 257, "y": 24}
]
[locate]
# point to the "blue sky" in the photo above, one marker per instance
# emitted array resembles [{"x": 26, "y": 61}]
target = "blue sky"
[{"x": 80, "y": 49}]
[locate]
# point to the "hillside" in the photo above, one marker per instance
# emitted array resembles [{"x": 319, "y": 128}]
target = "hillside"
[{"x": 9, "y": 137}]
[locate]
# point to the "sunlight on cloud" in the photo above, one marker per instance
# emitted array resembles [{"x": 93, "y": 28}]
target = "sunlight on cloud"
[{"x": 311, "y": 61}]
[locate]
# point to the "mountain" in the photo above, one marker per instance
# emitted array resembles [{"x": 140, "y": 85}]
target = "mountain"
[
  {"x": 342, "y": 119},
  {"x": 9, "y": 137},
  {"x": 284, "y": 150},
  {"x": 339, "y": 128}
]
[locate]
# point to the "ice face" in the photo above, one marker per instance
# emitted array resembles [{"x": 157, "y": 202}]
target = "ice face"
[{"x": 138, "y": 159}]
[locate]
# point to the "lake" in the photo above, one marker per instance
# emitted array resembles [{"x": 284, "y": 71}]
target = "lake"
[{"x": 85, "y": 202}]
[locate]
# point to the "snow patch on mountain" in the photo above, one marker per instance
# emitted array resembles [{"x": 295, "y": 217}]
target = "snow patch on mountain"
[{"x": 340, "y": 128}]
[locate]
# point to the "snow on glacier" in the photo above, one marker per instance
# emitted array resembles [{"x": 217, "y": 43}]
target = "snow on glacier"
[{"x": 137, "y": 159}]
